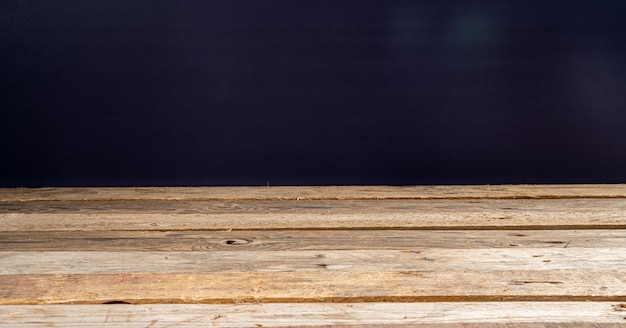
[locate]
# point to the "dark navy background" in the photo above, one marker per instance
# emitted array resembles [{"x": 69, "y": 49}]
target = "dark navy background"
[{"x": 230, "y": 92}]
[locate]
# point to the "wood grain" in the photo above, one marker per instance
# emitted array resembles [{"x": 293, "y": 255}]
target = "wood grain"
[
  {"x": 318, "y": 192},
  {"x": 422, "y": 259},
  {"x": 463, "y": 284},
  {"x": 274, "y": 215},
  {"x": 427, "y": 221},
  {"x": 505, "y": 256},
  {"x": 293, "y": 240},
  {"x": 423, "y": 315},
  {"x": 315, "y": 207}
]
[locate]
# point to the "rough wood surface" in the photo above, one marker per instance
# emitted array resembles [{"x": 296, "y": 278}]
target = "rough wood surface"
[
  {"x": 417, "y": 285},
  {"x": 494, "y": 251},
  {"x": 422, "y": 315},
  {"x": 293, "y": 240},
  {"x": 276, "y": 215},
  {"x": 422, "y": 260},
  {"x": 314, "y": 207},
  {"x": 316, "y": 192}
]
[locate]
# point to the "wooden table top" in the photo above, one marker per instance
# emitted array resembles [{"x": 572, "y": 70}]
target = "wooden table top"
[{"x": 426, "y": 256}]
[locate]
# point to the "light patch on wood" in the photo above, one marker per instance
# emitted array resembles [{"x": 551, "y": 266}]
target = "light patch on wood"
[
  {"x": 441, "y": 314},
  {"x": 426, "y": 260}
]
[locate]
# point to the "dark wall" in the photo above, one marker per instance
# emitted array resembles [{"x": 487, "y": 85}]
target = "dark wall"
[{"x": 228, "y": 92}]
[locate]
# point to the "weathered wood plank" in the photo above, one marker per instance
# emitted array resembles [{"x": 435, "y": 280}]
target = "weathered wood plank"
[
  {"x": 318, "y": 192},
  {"x": 462, "y": 284},
  {"x": 423, "y": 260},
  {"x": 292, "y": 240},
  {"x": 263, "y": 215},
  {"x": 608, "y": 219},
  {"x": 312, "y": 206},
  {"x": 444, "y": 314}
]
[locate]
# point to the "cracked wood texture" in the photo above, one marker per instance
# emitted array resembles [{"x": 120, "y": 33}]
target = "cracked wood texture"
[{"x": 431, "y": 256}]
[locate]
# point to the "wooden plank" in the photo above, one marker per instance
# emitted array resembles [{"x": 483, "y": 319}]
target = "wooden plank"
[
  {"x": 313, "y": 206},
  {"x": 427, "y": 221},
  {"x": 423, "y": 259},
  {"x": 293, "y": 240},
  {"x": 461, "y": 284},
  {"x": 443, "y": 314},
  {"x": 264, "y": 215},
  {"x": 318, "y": 192}
]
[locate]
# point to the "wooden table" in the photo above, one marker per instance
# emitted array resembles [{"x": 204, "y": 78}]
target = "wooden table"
[{"x": 464, "y": 256}]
